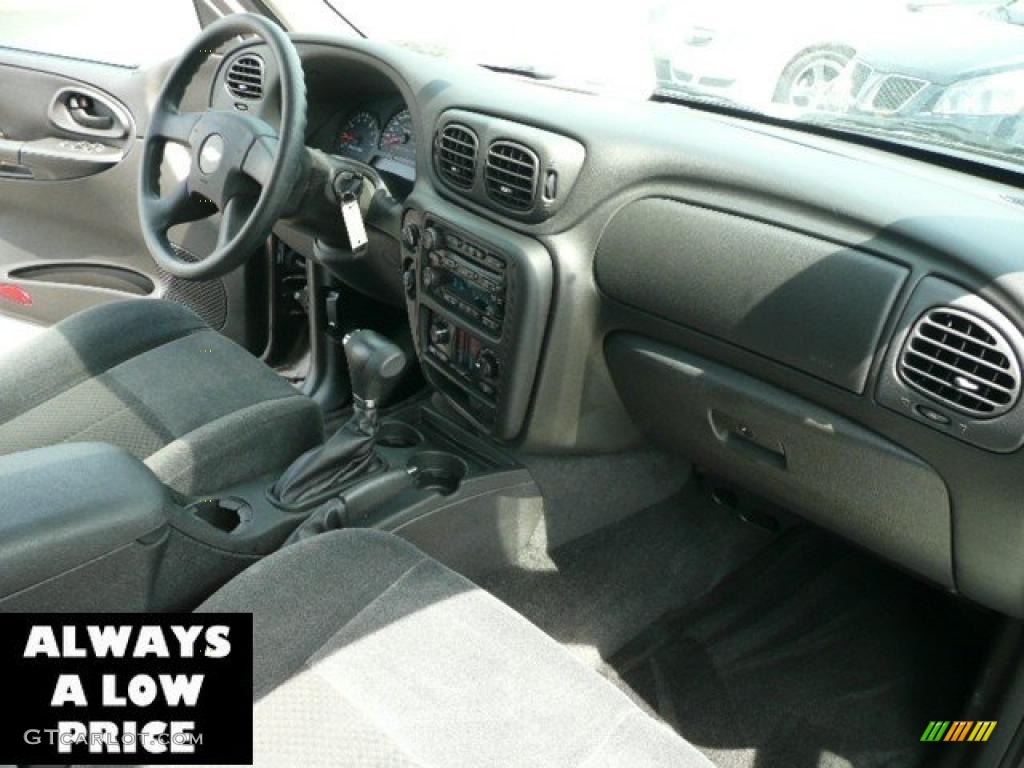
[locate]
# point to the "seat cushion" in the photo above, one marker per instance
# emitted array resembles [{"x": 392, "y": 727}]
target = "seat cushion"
[
  {"x": 369, "y": 653},
  {"x": 151, "y": 377}
]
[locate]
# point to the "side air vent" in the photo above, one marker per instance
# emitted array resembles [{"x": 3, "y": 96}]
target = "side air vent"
[
  {"x": 511, "y": 175},
  {"x": 456, "y": 155},
  {"x": 961, "y": 361},
  {"x": 245, "y": 78}
]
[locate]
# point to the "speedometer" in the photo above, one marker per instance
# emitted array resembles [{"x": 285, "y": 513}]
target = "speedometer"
[
  {"x": 398, "y": 140},
  {"x": 358, "y": 136}
]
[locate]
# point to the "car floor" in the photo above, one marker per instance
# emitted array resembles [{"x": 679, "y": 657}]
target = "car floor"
[
  {"x": 593, "y": 593},
  {"x": 764, "y": 649}
]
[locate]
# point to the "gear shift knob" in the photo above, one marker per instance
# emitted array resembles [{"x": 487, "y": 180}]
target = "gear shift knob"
[{"x": 375, "y": 365}]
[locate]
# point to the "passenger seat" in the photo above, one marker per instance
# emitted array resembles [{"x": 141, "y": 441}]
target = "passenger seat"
[{"x": 369, "y": 653}]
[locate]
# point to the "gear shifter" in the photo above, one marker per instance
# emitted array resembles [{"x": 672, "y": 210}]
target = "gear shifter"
[{"x": 375, "y": 365}]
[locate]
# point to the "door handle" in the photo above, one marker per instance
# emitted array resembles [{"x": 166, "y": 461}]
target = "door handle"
[
  {"x": 82, "y": 112},
  {"x": 86, "y": 111}
]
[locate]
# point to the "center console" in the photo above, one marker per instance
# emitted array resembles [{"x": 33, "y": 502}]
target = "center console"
[{"x": 478, "y": 299}]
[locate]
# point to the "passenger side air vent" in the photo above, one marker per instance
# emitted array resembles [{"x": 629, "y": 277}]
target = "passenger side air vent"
[
  {"x": 511, "y": 175},
  {"x": 456, "y": 155},
  {"x": 961, "y": 361},
  {"x": 244, "y": 79}
]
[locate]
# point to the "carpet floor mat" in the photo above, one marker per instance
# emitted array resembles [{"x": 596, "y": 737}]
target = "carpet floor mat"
[
  {"x": 813, "y": 655},
  {"x": 597, "y": 593}
]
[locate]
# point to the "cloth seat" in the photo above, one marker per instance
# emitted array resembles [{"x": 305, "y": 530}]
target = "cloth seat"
[
  {"x": 369, "y": 653},
  {"x": 151, "y": 377}
]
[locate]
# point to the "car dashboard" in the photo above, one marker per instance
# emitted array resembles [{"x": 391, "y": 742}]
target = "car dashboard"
[{"x": 832, "y": 326}]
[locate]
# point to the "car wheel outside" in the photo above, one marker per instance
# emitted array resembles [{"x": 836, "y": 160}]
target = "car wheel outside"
[{"x": 806, "y": 80}]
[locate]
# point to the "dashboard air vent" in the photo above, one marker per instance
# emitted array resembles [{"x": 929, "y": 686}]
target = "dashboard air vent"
[
  {"x": 511, "y": 175},
  {"x": 962, "y": 362},
  {"x": 245, "y": 78},
  {"x": 456, "y": 155}
]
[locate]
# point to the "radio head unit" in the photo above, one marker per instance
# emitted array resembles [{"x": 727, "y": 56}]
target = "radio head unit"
[{"x": 466, "y": 278}]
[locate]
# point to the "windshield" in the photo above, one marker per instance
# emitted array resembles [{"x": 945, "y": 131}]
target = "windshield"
[{"x": 943, "y": 74}]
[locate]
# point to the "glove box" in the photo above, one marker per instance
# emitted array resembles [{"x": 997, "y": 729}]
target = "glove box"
[
  {"x": 82, "y": 527},
  {"x": 802, "y": 456}
]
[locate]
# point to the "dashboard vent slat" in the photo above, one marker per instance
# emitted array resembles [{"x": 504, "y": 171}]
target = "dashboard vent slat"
[
  {"x": 511, "y": 175},
  {"x": 456, "y": 151},
  {"x": 961, "y": 361},
  {"x": 244, "y": 79}
]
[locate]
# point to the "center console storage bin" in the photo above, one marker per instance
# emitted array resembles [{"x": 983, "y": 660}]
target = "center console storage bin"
[
  {"x": 788, "y": 450},
  {"x": 81, "y": 529}
]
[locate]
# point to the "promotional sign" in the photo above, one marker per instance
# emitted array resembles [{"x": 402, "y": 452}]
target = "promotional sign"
[{"x": 110, "y": 689}]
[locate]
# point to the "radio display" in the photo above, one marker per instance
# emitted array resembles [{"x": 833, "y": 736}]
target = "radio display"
[{"x": 462, "y": 288}]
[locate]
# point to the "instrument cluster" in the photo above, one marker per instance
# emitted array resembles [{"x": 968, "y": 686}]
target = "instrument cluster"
[{"x": 380, "y": 134}]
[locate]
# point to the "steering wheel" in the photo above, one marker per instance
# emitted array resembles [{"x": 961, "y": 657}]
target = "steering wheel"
[{"x": 239, "y": 162}]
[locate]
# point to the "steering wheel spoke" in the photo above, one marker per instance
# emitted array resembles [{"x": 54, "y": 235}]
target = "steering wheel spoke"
[
  {"x": 176, "y": 207},
  {"x": 234, "y": 214},
  {"x": 175, "y": 126},
  {"x": 259, "y": 160}
]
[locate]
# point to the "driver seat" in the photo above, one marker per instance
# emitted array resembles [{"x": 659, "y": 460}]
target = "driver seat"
[{"x": 151, "y": 377}]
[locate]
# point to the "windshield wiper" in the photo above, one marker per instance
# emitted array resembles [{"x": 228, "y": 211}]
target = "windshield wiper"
[
  {"x": 522, "y": 70},
  {"x": 688, "y": 95}
]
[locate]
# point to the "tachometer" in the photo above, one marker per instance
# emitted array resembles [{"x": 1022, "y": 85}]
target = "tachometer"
[
  {"x": 358, "y": 136},
  {"x": 398, "y": 140}
]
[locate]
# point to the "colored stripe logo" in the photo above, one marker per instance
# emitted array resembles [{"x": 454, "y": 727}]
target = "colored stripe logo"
[{"x": 959, "y": 730}]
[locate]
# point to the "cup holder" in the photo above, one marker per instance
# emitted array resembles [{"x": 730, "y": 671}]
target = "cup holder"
[
  {"x": 395, "y": 434},
  {"x": 438, "y": 471},
  {"x": 223, "y": 514}
]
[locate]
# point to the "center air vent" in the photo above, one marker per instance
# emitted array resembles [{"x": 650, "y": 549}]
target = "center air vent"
[
  {"x": 962, "y": 362},
  {"x": 511, "y": 175},
  {"x": 456, "y": 155},
  {"x": 245, "y": 78}
]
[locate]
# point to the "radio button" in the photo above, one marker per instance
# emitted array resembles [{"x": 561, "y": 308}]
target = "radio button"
[{"x": 431, "y": 239}]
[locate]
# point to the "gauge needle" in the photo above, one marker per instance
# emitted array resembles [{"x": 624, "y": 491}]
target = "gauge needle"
[{"x": 348, "y": 137}]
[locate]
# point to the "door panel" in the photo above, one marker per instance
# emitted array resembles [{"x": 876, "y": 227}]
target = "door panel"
[{"x": 69, "y": 166}]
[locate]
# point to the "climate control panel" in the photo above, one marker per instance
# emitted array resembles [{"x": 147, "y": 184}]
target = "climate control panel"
[{"x": 462, "y": 353}]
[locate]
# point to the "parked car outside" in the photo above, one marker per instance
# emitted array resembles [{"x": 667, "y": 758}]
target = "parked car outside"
[
  {"x": 971, "y": 97},
  {"x": 740, "y": 51}
]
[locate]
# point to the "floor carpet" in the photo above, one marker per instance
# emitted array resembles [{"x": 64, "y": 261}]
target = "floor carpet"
[
  {"x": 812, "y": 655},
  {"x": 597, "y": 593}
]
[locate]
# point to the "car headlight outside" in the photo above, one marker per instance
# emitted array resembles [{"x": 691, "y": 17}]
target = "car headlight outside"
[{"x": 1001, "y": 94}]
